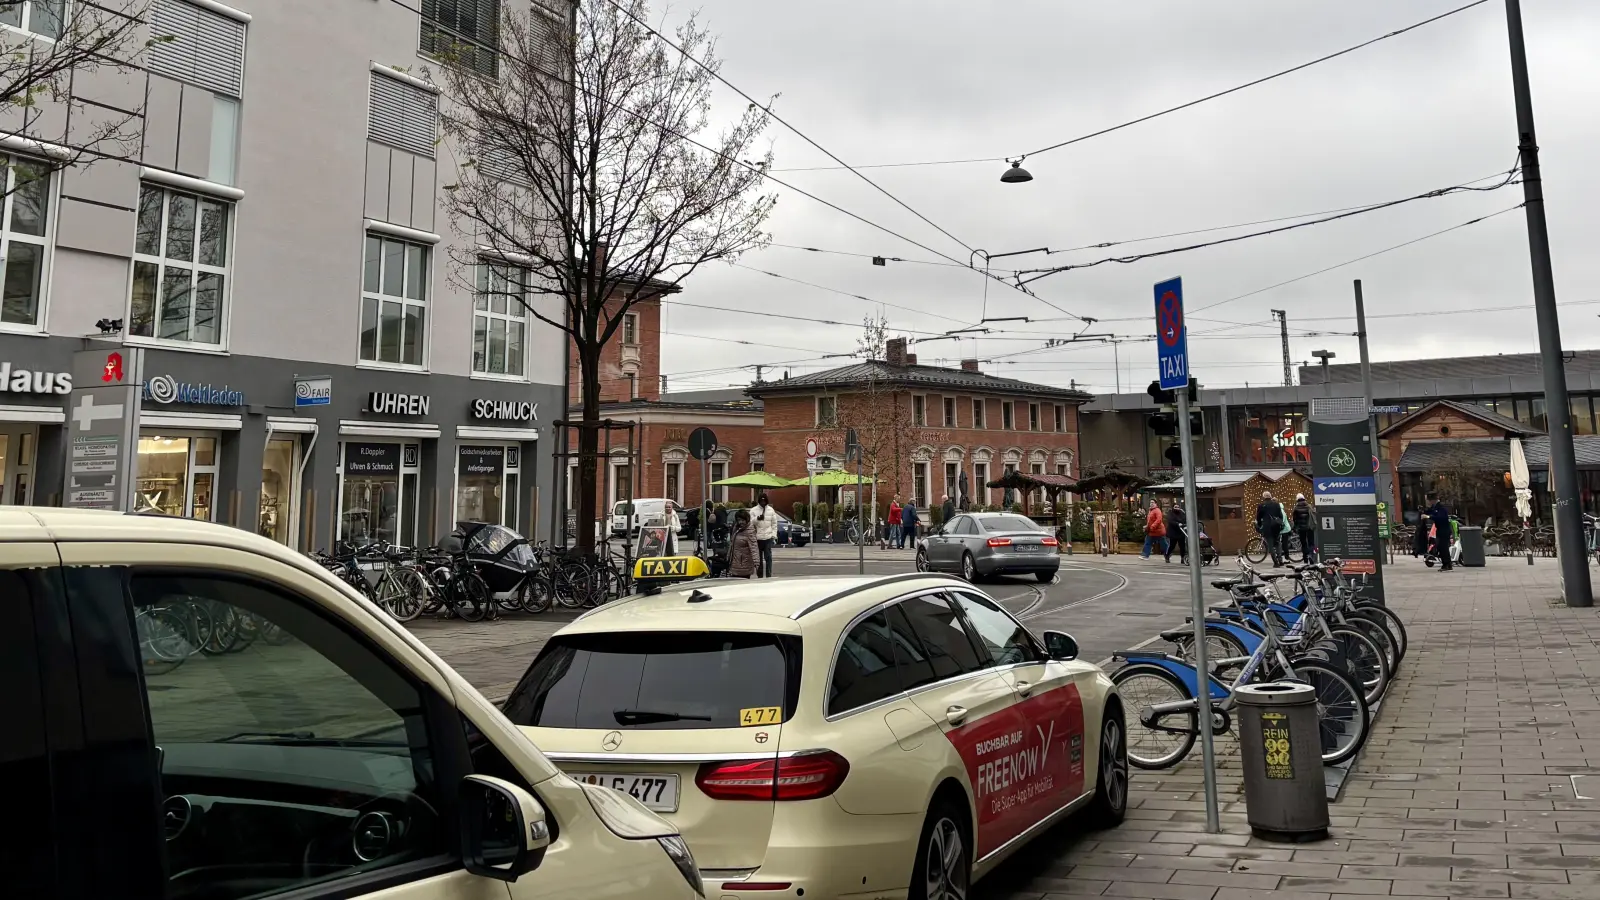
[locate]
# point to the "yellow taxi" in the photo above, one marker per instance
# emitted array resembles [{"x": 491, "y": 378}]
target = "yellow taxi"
[{"x": 862, "y": 737}]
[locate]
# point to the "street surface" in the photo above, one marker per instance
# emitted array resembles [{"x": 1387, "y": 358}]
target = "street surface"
[{"x": 1481, "y": 778}]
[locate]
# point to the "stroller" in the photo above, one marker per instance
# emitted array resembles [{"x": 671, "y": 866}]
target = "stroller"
[
  {"x": 500, "y": 556},
  {"x": 1208, "y": 553}
]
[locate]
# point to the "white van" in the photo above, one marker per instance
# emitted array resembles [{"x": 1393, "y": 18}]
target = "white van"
[
  {"x": 647, "y": 512},
  {"x": 327, "y": 753}
]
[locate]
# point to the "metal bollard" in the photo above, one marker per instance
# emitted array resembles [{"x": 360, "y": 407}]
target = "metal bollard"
[{"x": 1280, "y": 744}]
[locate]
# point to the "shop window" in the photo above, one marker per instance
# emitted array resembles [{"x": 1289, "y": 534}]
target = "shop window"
[
  {"x": 1230, "y": 509},
  {"x": 1268, "y": 435},
  {"x": 16, "y": 468},
  {"x": 23, "y": 248},
  {"x": 394, "y": 302},
  {"x": 1537, "y": 417},
  {"x": 1582, "y": 417},
  {"x": 180, "y": 267},
  {"x": 500, "y": 321},
  {"x": 486, "y": 484},
  {"x": 279, "y": 473},
  {"x": 378, "y": 493},
  {"x": 178, "y": 475}
]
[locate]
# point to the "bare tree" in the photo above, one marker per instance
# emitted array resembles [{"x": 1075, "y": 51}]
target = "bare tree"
[
  {"x": 587, "y": 169},
  {"x": 878, "y": 410},
  {"x": 53, "y": 49}
]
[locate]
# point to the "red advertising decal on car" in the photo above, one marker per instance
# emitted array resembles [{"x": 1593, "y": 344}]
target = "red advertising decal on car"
[{"x": 1023, "y": 764}]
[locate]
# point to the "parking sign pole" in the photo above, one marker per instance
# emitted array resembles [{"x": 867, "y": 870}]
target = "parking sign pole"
[{"x": 1207, "y": 751}]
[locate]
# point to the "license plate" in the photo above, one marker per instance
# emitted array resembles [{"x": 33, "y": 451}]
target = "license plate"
[
  {"x": 656, "y": 792},
  {"x": 1028, "y": 548}
]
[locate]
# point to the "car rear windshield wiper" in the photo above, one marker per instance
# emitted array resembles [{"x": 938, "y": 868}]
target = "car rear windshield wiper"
[
  {"x": 301, "y": 739},
  {"x": 651, "y": 716}
]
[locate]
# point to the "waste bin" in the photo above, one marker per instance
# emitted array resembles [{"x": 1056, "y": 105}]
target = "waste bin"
[
  {"x": 1471, "y": 538},
  {"x": 1280, "y": 744}
]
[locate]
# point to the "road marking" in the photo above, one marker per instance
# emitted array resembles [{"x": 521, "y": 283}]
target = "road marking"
[{"x": 1120, "y": 577}]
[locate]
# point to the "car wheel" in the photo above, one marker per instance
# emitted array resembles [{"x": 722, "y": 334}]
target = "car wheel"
[
  {"x": 969, "y": 568},
  {"x": 922, "y": 561},
  {"x": 1110, "y": 804},
  {"x": 943, "y": 869},
  {"x": 1045, "y": 577}
]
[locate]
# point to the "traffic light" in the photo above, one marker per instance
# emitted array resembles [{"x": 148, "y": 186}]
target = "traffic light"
[
  {"x": 1174, "y": 455},
  {"x": 1167, "y": 398},
  {"x": 1164, "y": 424}
]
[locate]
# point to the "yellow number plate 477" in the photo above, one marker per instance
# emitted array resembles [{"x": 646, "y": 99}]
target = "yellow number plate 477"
[{"x": 760, "y": 715}]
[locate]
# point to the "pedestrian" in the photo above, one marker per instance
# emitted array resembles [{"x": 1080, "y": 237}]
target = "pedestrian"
[
  {"x": 766, "y": 535},
  {"x": 894, "y": 539},
  {"x": 1269, "y": 524},
  {"x": 948, "y": 511},
  {"x": 1177, "y": 536},
  {"x": 908, "y": 524},
  {"x": 1439, "y": 514},
  {"x": 1155, "y": 531},
  {"x": 1305, "y": 527},
  {"x": 743, "y": 553}
]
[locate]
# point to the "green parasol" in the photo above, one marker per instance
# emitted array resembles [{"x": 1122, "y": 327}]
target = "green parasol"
[
  {"x": 756, "y": 480},
  {"x": 836, "y": 478}
]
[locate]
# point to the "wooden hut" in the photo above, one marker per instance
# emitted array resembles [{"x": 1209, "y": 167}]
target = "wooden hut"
[{"x": 1227, "y": 501}]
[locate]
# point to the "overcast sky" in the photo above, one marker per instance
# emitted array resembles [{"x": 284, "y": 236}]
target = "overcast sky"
[{"x": 890, "y": 81}]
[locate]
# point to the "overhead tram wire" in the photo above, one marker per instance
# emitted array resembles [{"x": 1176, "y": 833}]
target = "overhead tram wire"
[
  {"x": 1170, "y": 110},
  {"x": 914, "y": 311},
  {"x": 885, "y": 257}
]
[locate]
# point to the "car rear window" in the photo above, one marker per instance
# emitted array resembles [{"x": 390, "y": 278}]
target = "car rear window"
[
  {"x": 658, "y": 680},
  {"x": 1009, "y": 523}
]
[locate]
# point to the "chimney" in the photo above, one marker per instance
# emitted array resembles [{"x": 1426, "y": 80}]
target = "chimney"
[
  {"x": 895, "y": 350},
  {"x": 969, "y": 365},
  {"x": 911, "y": 359}
]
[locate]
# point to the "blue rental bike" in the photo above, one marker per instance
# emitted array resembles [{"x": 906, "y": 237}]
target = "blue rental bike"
[{"x": 1160, "y": 689}]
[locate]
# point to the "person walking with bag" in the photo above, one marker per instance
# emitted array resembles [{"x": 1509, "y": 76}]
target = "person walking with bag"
[
  {"x": 1305, "y": 527},
  {"x": 766, "y": 535},
  {"x": 1270, "y": 524},
  {"x": 1155, "y": 531},
  {"x": 743, "y": 554}
]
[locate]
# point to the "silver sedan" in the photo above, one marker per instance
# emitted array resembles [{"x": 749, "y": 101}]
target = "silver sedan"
[{"x": 979, "y": 545}]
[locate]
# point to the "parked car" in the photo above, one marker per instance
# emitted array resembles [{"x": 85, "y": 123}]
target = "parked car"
[
  {"x": 984, "y": 544},
  {"x": 647, "y": 511},
  {"x": 793, "y": 534},
  {"x": 821, "y": 737},
  {"x": 243, "y": 723}
]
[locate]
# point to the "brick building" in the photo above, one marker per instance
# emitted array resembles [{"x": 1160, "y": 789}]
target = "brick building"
[
  {"x": 630, "y": 364},
  {"x": 923, "y": 427}
]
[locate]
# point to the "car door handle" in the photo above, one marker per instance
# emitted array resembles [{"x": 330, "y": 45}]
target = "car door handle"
[
  {"x": 1024, "y": 688},
  {"x": 955, "y": 714}
]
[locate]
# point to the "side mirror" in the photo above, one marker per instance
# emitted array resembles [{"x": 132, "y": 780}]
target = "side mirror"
[
  {"x": 503, "y": 829},
  {"x": 1060, "y": 646}
]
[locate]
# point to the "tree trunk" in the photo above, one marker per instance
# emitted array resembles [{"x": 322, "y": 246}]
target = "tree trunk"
[{"x": 588, "y": 445}]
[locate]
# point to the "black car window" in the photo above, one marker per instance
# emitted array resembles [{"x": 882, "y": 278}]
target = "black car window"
[
  {"x": 656, "y": 680},
  {"x": 1009, "y": 523},
  {"x": 864, "y": 671},
  {"x": 963, "y": 525},
  {"x": 25, "y": 764},
  {"x": 942, "y": 636},
  {"x": 271, "y": 721},
  {"x": 1006, "y": 641}
]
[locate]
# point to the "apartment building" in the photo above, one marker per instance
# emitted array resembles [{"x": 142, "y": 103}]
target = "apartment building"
[{"x": 274, "y": 266}]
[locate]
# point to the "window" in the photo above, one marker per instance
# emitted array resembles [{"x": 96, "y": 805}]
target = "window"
[
  {"x": 224, "y": 140},
  {"x": 1061, "y": 418},
  {"x": 1033, "y": 417},
  {"x": 1007, "y": 642},
  {"x": 486, "y": 484},
  {"x": 719, "y": 493},
  {"x": 1007, "y": 416},
  {"x": 952, "y": 480},
  {"x": 980, "y": 482},
  {"x": 243, "y": 729},
  {"x": 206, "y": 49},
  {"x": 653, "y": 681},
  {"x": 919, "y": 485},
  {"x": 1582, "y": 421},
  {"x": 177, "y": 475},
  {"x": 633, "y": 386},
  {"x": 919, "y": 411},
  {"x": 630, "y": 329},
  {"x": 977, "y": 414},
  {"x": 964, "y": 525},
  {"x": 394, "y": 302},
  {"x": 499, "y": 320},
  {"x": 180, "y": 266},
  {"x": 864, "y": 671},
  {"x": 22, "y": 243},
  {"x": 949, "y": 412},
  {"x": 26, "y": 764},
  {"x": 939, "y": 629},
  {"x": 41, "y": 17},
  {"x": 674, "y": 481},
  {"x": 1003, "y": 524},
  {"x": 827, "y": 411},
  {"x": 465, "y": 32},
  {"x": 403, "y": 115}
]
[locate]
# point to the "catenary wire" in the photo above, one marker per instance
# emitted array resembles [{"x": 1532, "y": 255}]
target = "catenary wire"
[{"x": 920, "y": 312}]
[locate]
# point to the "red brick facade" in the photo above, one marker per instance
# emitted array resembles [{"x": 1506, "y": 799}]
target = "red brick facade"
[{"x": 620, "y": 358}]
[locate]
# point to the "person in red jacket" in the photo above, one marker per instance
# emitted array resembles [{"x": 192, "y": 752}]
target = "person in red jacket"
[
  {"x": 892, "y": 534},
  {"x": 1155, "y": 531}
]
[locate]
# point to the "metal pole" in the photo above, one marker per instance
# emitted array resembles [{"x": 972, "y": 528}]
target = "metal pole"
[
  {"x": 1366, "y": 377},
  {"x": 861, "y": 522},
  {"x": 1197, "y": 602},
  {"x": 811, "y": 507},
  {"x": 1116, "y": 355},
  {"x": 1227, "y": 451},
  {"x": 1283, "y": 334},
  {"x": 1567, "y": 513}
]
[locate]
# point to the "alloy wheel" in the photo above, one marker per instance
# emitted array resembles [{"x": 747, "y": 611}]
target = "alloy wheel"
[
  {"x": 1114, "y": 764},
  {"x": 946, "y": 863}
]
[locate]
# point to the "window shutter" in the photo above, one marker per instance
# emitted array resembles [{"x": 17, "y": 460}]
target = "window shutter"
[
  {"x": 403, "y": 116},
  {"x": 197, "y": 46}
]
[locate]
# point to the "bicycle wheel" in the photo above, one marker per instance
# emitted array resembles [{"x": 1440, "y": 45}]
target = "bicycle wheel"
[
  {"x": 1380, "y": 635},
  {"x": 536, "y": 593},
  {"x": 1391, "y": 622},
  {"x": 1219, "y": 645},
  {"x": 1342, "y": 711},
  {"x": 1143, "y": 686},
  {"x": 570, "y": 584},
  {"x": 1364, "y": 662},
  {"x": 470, "y": 596},
  {"x": 163, "y": 642},
  {"x": 407, "y": 588},
  {"x": 1256, "y": 550}
]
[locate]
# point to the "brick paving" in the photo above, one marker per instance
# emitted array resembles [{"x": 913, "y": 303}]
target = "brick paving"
[{"x": 1476, "y": 782}]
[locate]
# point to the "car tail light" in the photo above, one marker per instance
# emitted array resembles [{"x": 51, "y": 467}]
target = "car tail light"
[
  {"x": 999, "y": 542},
  {"x": 806, "y": 776},
  {"x": 1050, "y": 542}
]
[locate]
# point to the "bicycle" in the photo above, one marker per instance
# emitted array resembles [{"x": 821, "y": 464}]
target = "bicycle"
[
  {"x": 1256, "y": 549},
  {"x": 1161, "y": 687}
]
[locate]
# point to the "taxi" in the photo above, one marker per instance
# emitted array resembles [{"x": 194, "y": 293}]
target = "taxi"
[{"x": 862, "y": 737}]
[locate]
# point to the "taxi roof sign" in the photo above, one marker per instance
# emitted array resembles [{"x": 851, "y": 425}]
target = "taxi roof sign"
[{"x": 669, "y": 568}]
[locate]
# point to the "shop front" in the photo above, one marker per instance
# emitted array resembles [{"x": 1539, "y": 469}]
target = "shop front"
[{"x": 33, "y": 396}]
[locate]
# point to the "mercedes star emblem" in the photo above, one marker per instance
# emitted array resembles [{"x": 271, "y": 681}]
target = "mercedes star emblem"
[{"x": 611, "y": 741}]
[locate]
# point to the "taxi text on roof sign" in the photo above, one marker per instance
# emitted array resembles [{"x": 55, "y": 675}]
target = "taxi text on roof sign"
[{"x": 661, "y": 567}]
